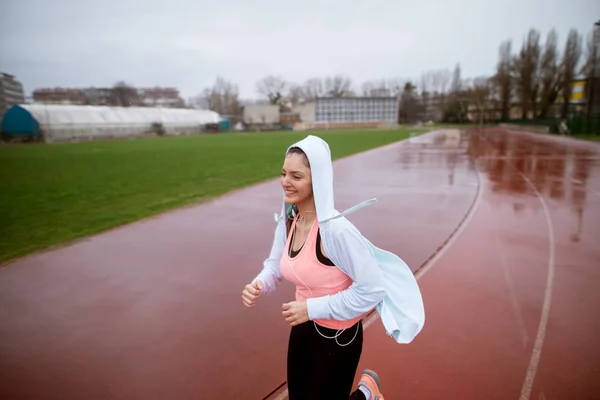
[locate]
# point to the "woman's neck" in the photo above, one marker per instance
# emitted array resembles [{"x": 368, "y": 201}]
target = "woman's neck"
[{"x": 307, "y": 211}]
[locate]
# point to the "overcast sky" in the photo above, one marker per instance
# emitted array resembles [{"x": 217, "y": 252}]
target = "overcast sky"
[{"x": 187, "y": 44}]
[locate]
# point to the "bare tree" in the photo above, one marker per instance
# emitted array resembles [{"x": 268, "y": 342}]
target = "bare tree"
[
  {"x": 550, "y": 81},
  {"x": 434, "y": 85},
  {"x": 313, "y": 88},
  {"x": 444, "y": 77},
  {"x": 367, "y": 88},
  {"x": 124, "y": 95},
  {"x": 396, "y": 86},
  {"x": 296, "y": 94},
  {"x": 377, "y": 88},
  {"x": 434, "y": 81},
  {"x": 272, "y": 87},
  {"x": 526, "y": 70},
  {"x": 590, "y": 70},
  {"x": 222, "y": 97},
  {"x": 456, "y": 85},
  {"x": 479, "y": 94},
  {"x": 454, "y": 106},
  {"x": 409, "y": 105},
  {"x": 338, "y": 86},
  {"x": 494, "y": 98},
  {"x": 503, "y": 79},
  {"x": 592, "y": 59},
  {"x": 427, "y": 82},
  {"x": 571, "y": 58}
]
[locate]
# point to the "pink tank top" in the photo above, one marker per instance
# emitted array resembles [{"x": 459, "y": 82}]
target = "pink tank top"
[{"x": 311, "y": 277}]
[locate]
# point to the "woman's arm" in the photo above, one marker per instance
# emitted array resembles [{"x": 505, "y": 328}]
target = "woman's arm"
[
  {"x": 271, "y": 273},
  {"x": 350, "y": 252}
]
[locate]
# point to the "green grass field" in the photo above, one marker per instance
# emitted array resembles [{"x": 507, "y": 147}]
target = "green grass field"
[
  {"x": 587, "y": 136},
  {"x": 55, "y": 193}
]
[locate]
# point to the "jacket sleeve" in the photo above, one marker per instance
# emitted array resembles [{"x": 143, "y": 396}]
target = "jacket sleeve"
[
  {"x": 352, "y": 254},
  {"x": 271, "y": 272}
]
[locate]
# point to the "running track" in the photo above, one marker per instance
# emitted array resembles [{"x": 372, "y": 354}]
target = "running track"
[{"x": 498, "y": 226}]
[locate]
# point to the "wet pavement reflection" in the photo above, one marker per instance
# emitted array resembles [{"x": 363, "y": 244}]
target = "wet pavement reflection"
[
  {"x": 512, "y": 304},
  {"x": 567, "y": 175},
  {"x": 153, "y": 310}
]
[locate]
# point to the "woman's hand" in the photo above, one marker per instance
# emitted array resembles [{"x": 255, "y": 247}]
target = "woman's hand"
[
  {"x": 295, "y": 312},
  {"x": 251, "y": 293}
]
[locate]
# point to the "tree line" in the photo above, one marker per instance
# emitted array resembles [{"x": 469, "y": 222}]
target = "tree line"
[{"x": 529, "y": 79}]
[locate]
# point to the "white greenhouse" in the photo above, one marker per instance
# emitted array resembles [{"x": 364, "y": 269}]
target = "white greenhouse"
[{"x": 58, "y": 123}]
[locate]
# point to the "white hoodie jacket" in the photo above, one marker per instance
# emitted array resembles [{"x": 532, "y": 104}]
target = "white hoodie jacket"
[{"x": 381, "y": 279}]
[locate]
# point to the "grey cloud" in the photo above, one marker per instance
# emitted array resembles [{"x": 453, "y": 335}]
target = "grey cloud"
[{"x": 187, "y": 44}]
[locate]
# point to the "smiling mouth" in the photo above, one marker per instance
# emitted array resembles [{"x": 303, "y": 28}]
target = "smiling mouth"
[{"x": 290, "y": 192}]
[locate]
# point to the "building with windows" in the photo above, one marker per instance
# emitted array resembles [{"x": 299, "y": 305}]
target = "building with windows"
[
  {"x": 160, "y": 97},
  {"x": 114, "y": 96},
  {"x": 11, "y": 92},
  {"x": 260, "y": 114},
  {"x": 64, "y": 96},
  {"x": 355, "y": 111},
  {"x": 325, "y": 113}
]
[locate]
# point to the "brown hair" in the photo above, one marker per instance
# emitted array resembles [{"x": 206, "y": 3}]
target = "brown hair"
[
  {"x": 289, "y": 216},
  {"x": 298, "y": 150}
]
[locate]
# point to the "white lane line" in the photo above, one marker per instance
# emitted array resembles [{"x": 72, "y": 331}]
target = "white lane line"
[
  {"x": 580, "y": 182},
  {"x": 509, "y": 282},
  {"x": 457, "y": 232},
  {"x": 283, "y": 395},
  {"x": 536, "y": 354}
]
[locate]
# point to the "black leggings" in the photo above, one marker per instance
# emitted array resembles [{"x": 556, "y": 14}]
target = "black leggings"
[{"x": 319, "y": 368}]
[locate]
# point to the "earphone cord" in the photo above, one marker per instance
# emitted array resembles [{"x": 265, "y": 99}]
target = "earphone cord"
[{"x": 339, "y": 331}]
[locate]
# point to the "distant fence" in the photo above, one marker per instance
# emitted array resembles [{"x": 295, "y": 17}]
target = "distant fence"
[
  {"x": 79, "y": 133},
  {"x": 578, "y": 125},
  {"x": 583, "y": 125}
]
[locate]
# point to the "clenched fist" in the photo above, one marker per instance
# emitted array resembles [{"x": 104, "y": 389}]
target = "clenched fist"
[
  {"x": 295, "y": 312},
  {"x": 251, "y": 293}
]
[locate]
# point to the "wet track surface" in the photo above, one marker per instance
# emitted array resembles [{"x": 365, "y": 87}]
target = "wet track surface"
[
  {"x": 512, "y": 304},
  {"x": 153, "y": 310}
]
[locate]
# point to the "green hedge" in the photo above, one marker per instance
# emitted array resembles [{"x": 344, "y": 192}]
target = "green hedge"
[{"x": 578, "y": 125}]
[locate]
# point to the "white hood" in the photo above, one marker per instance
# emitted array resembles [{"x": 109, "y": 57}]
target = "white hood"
[
  {"x": 319, "y": 156},
  {"x": 381, "y": 279}
]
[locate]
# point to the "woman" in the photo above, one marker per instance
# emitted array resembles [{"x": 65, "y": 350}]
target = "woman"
[{"x": 339, "y": 277}]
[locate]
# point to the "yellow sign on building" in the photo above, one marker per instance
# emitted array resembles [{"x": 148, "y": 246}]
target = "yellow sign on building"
[{"x": 578, "y": 93}]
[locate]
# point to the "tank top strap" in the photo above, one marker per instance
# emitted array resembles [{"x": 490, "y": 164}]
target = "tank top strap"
[
  {"x": 312, "y": 234},
  {"x": 292, "y": 227}
]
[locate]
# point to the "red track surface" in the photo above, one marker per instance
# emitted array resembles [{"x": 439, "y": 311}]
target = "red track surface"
[
  {"x": 512, "y": 306},
  {"x": 153, "y": 310}
]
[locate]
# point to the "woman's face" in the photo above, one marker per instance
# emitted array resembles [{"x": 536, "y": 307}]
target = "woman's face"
[{"x": 296, "y": 179}]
